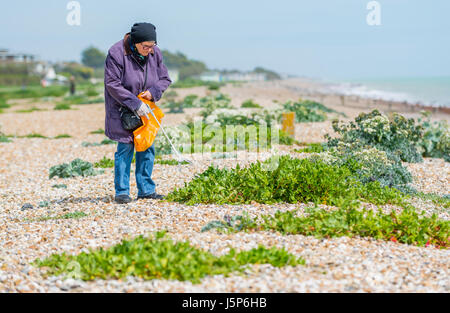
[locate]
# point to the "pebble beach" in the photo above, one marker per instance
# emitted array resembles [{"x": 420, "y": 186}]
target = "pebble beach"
[{"x": 332, "y": 265}]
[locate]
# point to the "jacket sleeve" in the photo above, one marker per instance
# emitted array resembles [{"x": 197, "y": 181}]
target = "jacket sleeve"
[
  {"x": 113, "y": 75},
  {"x": 164, "y": 80}
]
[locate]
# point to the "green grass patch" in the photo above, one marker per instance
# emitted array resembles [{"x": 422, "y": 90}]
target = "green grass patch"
[
  {"x": 104, "y": 163},
  {"x": 250, "y": 104},
  {"x": 4, "y": 138},
  {"x": 34, "y": 135},
  {"x": 311, "y": 148},
  {"x": 98, "y": 131},
  {"x": 74, "y": 215},
  {"x": 75, "y": 99},
  {"x": 95, "y": 100},
  {"x": 81, "y": 99},
  {"x": 33, "y": 92},
  {"x": 91, "y": 92},
  {"x": 105, "y": 141},
  {"x": 214, "y": 86},
  {"x": 108, "y": 163},
  {"x": 3, "y": 104},
  {"x": 170, "y": 162},
  {"x": 159, "y": 257},
  {"x": 62, "y": 106},
  {"x": 407, "y": 227},
  {"x": 62, "y": 136},
  {"x": 188, "y": 101},
  {"x": 33, "y": 109}
]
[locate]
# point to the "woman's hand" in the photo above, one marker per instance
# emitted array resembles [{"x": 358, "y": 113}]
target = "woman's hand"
[
  {"x": 143, "y": 110},
  {"x": 147, "y": 95}
]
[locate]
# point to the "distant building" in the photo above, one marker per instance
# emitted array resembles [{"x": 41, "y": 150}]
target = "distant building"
[
  {"x": 249, "y": 76},
  {"x": 210, "y": 76},
  {"x": 6, "y": 56},
  {"x": 41, "y": 68},
  {"x": 54, "y": 79},
  {"x": 174, "y": 74},
  {"x": 48, "y": 74},
  {"x": 217, "y": 76}
]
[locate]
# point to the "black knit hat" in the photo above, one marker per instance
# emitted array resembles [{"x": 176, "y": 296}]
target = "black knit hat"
[{"x": 143, "y": 32}]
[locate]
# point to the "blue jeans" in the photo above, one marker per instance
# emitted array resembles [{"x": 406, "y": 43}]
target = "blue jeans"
[{"x": 144, "y": 167}]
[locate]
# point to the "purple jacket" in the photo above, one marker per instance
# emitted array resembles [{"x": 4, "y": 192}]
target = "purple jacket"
[{"x": 124, "y": 79}]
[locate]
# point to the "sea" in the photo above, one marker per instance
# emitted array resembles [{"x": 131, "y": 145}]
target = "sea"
[{"x": 430, "y": 91}]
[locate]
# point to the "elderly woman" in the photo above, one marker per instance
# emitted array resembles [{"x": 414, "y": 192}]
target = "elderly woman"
[{"x": 126, "y": 64}]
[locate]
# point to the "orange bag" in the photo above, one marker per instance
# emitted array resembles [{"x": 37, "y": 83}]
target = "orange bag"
[{"x": 145, "y": 135}]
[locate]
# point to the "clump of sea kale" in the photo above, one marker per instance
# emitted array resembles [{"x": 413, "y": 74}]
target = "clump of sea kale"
[
  {"x": 397, "y": 135},
  {"x": 368, "y": 164},
  {"x": 435, "y": 141},
  {"x": 77, "y": 167}
]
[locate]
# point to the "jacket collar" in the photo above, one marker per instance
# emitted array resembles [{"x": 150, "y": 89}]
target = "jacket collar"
[{"x": 126, "y": 46}]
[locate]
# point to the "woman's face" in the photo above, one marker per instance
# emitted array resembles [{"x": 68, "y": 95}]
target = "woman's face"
[{"x": 145, "y": 47}]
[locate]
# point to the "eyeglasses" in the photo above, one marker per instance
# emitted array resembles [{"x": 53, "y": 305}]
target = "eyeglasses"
[{"x": 145, "y": 47}]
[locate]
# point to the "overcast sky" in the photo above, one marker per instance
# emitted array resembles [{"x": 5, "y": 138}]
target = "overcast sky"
[{"x": 322, "y": 38}]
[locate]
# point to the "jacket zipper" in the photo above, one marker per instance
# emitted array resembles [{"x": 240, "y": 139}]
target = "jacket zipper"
[{"x": 143, "y": 69}]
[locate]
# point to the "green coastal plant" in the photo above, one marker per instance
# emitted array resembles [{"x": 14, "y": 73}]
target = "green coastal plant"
[
  {"x": 408, "y": 226},
  {"x": 44, "y": 204},
  {"x": 75, "y": 99},
  {"x": 368, "y": 164},
  {"x": 308, "y": 111},
  {"x": 75, "y": 168},
  {"x": 34, "y": 135},
  {"x": 104, "y": 163},
  {"x": 159, "y": 257},
  {"x": 60, "y": 186},
  {"x": 105, "y": 141},
  {"x": 62, "y": 136},
  {"x": 62, "y": 106},
  {"x": 188, "y": 101},
  {"x": 214, "y": 86},
  {"x": 311, "y": 148},
  {"x": 170, "y": 95},
  {"x": 440, "y": 200},
  {"x": 98, "y": 131},
  {"x": 3, "y": 104},
  {"x": 175, "y": 107},
  {"x": 396, "y": 135},
  {"x": 435, "y": 140},
  {"x": 71, "y": 215},
  {"x": 250, "y": 104},
  {"x": 292, "y": 180},
  {"x": 212, "y": 103},
  {"x": 3, "y": 137},
  {"x": 170, "y": 162},
  {"x": 34, "y": 92},
  {"x": 33, "y": 109},
  {"x": 91, "y": 92}
]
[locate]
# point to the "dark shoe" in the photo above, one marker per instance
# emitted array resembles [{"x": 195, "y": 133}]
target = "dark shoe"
[
  {"x": 123, "y": 199},
  {"x": 152, "y": 196}
]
